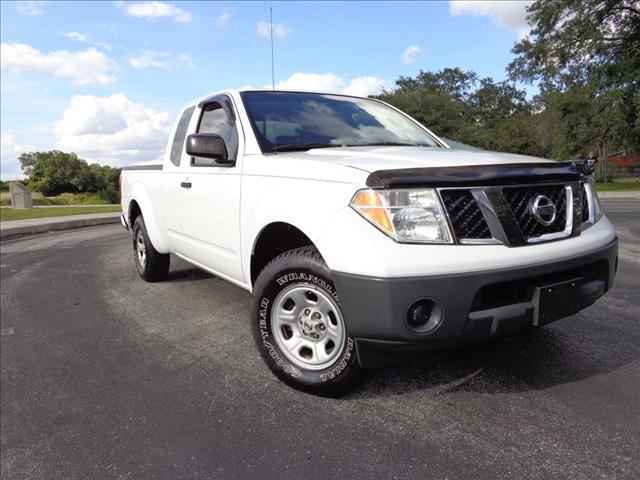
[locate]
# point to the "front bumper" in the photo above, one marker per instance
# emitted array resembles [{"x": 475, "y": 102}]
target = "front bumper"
[{"x": 475, "y": 306}]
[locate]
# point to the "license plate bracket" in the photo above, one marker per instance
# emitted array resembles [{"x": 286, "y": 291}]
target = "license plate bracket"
[{"x": 556, "y": 300}]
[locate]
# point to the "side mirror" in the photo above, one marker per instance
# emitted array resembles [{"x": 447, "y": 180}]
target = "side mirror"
[
  {"x": 207, "y": 150},
  {"x": 586, "y": 166}
]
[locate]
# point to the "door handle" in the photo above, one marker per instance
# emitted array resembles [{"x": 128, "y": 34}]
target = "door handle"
[{"x": 185, "y": 184}]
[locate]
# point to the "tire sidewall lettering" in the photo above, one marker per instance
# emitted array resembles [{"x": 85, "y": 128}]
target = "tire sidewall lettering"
[
  {"x": 342, "y": 364},
  {"x": 307, "y": 277}
]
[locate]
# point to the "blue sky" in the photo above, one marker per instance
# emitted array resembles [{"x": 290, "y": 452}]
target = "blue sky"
[{"x": 105, "y": 79}]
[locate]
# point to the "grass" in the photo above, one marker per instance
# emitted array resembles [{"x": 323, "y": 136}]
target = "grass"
[
  {"x": 618, "y": 185},
  {"x": 8, "y": 213}
]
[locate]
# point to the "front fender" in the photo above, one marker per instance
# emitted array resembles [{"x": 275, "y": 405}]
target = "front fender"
[{"x": 304, "y": 204}]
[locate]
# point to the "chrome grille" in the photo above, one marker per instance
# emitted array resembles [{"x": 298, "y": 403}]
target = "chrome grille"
[
  {"x": 505, "y": 214},
  {"x": 464, "y": 214},
  {"x": 520, "y": 198}
]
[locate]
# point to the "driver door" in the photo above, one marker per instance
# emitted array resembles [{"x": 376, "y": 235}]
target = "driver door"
[{"x": 210, "y": 199}]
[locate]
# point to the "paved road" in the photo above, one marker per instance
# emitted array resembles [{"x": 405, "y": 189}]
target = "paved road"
[{"x": 104, "y": 376}]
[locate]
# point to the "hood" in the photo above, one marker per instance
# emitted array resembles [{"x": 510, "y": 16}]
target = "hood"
[
  {"x": 355, "y": 164},
  {"x": 371, "y": 159}
]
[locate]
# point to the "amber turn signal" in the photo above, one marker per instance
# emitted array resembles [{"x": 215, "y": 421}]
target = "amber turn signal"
[{"x": 370, "y": 205}]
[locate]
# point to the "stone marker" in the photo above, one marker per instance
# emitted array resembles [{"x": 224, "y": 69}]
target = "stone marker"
[{"x": 20, "y": 195}]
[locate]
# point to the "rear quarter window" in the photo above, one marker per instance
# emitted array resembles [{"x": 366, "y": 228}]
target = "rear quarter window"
[{"x": 178, "y": 138}]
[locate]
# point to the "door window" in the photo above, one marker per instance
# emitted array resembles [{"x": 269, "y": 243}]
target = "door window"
[
  {"x": 178, "y": 138},
  {"x": 215, "y": 119}
]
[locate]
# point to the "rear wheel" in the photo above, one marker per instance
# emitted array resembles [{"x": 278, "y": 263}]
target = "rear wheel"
[
  {"x": 299, "y": 327},
  {"x": 152, "y": 265}
]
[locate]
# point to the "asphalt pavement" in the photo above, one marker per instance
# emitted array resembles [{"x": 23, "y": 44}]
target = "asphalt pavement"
[{"x": 105, "y": 376}]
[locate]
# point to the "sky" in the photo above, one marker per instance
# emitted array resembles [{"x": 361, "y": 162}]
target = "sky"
[{"x": 106, "y": 79}]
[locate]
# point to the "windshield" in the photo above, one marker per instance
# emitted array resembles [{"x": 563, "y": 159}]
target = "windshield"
[{"x": 291, "y": 121}]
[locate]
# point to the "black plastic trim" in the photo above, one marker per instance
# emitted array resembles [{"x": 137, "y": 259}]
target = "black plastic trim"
[
  {"x": 475, "y": 175},
  {"x": 224, "y": 100},
  {"x": 505, "y": 216}
]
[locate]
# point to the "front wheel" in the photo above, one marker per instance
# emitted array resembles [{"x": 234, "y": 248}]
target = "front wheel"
[{"x": 299, "y": 327}]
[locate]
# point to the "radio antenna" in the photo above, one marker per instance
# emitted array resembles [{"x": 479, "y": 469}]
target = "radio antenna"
[
  {"x": 273, "y": 71},
  {"x": 273, "y": 83}
]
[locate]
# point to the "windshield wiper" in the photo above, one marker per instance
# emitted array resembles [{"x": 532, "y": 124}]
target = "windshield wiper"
[
  {"x": 299, "y": 147},
  {"x": 389, "y": 144},
  {"x": 302, "y": 146}
]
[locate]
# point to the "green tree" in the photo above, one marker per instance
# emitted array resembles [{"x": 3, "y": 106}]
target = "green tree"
[
  {"x": 585, "y": 54},
  {"x": 105, "y": 181},
  {"x": 491, "y": 103},
  {"x": 577, "y": 42},
  {"x": 56, "y": 172},
  {"x": 436, "y": 99},
  {"x": 458, "y": 105}
]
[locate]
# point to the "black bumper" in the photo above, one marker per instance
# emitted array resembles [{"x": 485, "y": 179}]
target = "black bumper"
[{"x": 474, "y": 306}]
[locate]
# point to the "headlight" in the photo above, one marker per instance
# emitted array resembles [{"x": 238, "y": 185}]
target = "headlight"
[{"x": 405, "y": 215}]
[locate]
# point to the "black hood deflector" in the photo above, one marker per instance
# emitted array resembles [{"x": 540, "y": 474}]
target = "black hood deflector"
[{"x": 476, "y": 175}]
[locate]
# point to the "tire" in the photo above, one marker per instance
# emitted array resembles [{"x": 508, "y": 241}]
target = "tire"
[
  {"x": 152, "y": 265},
  {"x": 299, "y": 328}
]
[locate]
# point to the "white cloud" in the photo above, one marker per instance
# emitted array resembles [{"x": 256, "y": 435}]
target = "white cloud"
[
  {"x": 224, "y": 17},
  {"x": 82, "y": 38},
  {"x": 104, "y": 46},
  {"x": 93, "y": 115},
  {"x": 112, "y": 130},
  {"x": 410, "y": 54},
  {"x": 322, "y": 82},
  {"x": 150, "y": 59},
  {"x": 279, "y": 30},
  {"x": 9, "y": 152},
  {"x": 152, "y": 10},
  {"x": 83, "y": 67},
  {"x": 76, "y": 37},
  {"x": 154, "y": 59},
  {"x": 32, "y": 8},
  {"x": 507, "y": 14},
  {"x": 365, "y": 86},
  {"x": 331, "y": 83},
  {"x": 186, "y": 61}
]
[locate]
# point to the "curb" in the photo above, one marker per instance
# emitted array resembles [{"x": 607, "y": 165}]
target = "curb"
[{"x": 18, "y": 228}]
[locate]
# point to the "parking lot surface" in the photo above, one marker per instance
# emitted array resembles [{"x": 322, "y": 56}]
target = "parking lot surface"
[{"x": 105, "y": 376}]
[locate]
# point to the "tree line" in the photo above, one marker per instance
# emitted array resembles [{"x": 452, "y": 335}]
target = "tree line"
[
  {"x": 584, "y": 56},
  {"x": 460, "y": 106},
  {"x": 56, "y": 172}
]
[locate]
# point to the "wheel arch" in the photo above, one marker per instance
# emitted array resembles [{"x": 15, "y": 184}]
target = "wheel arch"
[
  {"x": 274, "y": 239},
  {"x": 140, "y": 204},
  {"x": 134, "y": 211}
]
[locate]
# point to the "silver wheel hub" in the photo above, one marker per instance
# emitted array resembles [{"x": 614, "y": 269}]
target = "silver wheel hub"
[
  {"x": 308, "y": 327},
  {"x": 312, "y": 324},
  {"x": 141, "y": 250}
]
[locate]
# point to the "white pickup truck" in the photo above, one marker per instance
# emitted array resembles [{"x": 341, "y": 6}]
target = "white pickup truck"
[{"x": 361, "y": 234}]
